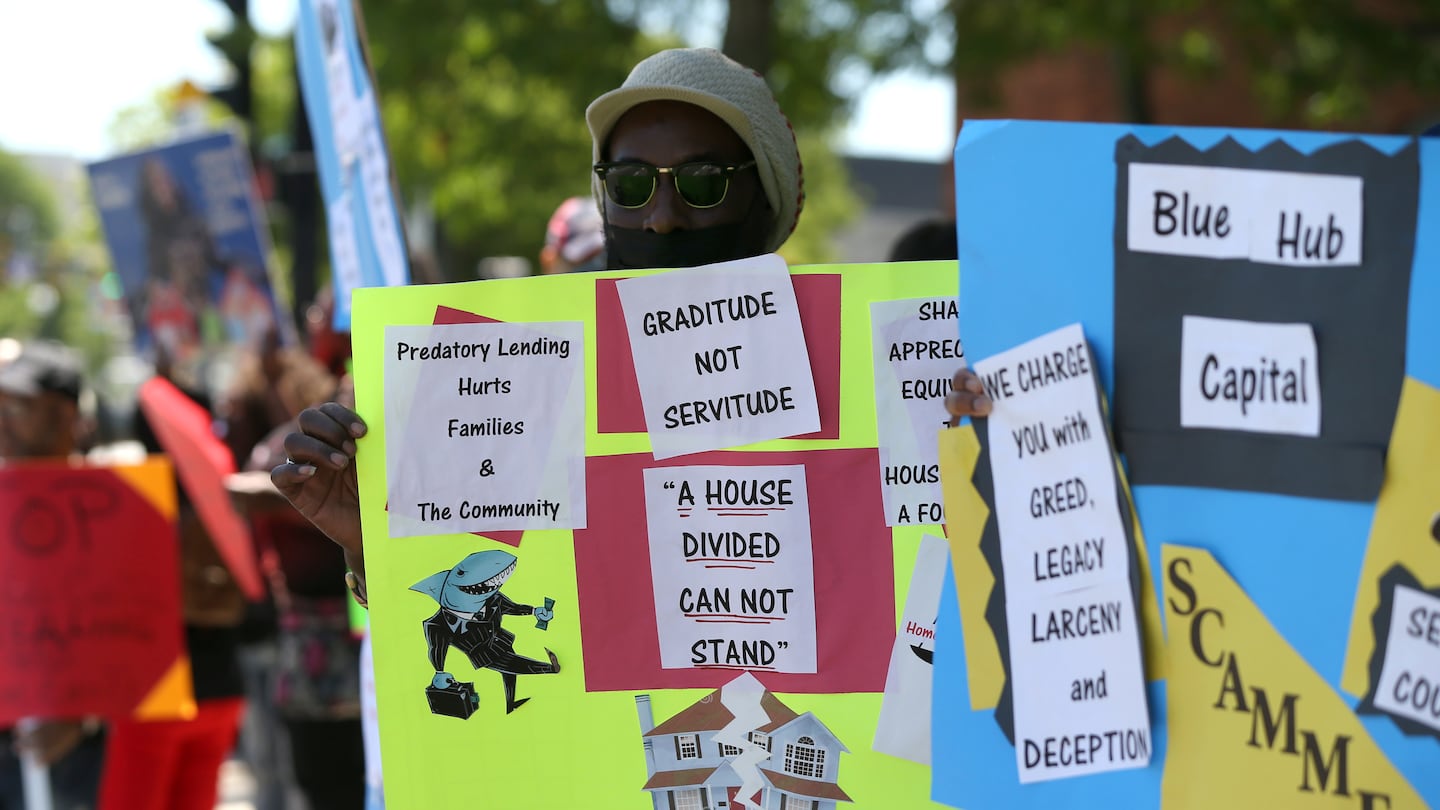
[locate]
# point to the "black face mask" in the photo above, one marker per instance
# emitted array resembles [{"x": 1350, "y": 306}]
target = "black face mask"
[{"x": 640, "y": 249}]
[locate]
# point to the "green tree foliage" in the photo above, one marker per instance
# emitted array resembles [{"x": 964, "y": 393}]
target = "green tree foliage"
[
  {"x": 63, "y": 308},
  {"x": 817, "y": 56},
  {"x": 153, "y": 122},
  {"x": 829, "y": 202},
  {"x": 484, "y": 106},
  {"x": 59, "y": 302},
  {"x": 27, "y": 209},
  {"x": 1323, "y": 60},
  {"x": 1317, "y": 62},
  {"x": 484, "y": 110},
  {"x": 275, "y": 90},
  {"x": 142, "y": 124}
]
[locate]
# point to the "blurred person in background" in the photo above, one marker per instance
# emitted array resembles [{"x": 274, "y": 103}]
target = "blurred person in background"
[
  {"x": 40, "y": 388},
  {"x": 327, "y": 344},
  {"x": 270, "y": 386},
  {"x": 175, "y": 765},
  {"x": 314, "y": 686},
  {"x": 930, "y": 240},
  {"x": 574, "y": 239},
  {"x": 332, "y": 348}
]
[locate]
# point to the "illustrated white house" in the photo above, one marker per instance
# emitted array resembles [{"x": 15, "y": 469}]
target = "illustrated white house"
[{"x": 689, "y": 769}]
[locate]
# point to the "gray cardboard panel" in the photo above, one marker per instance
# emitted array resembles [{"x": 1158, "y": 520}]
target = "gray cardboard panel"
[{"x": 1358, "y": 315}]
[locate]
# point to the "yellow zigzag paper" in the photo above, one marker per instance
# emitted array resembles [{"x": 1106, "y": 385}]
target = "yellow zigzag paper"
[
  {"x": 967, "y": 513},
  {"x": 1251, "y": 723},
  {"x": 1400, "y": 533}
]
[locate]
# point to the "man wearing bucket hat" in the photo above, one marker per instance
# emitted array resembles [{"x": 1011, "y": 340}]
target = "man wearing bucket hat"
[
  {"x": 694, "y": 164},
  {"x": 711, "y": 128}
]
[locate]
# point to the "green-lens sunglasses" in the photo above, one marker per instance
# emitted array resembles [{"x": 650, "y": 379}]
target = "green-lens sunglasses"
[{"x": 702, "y": 184}]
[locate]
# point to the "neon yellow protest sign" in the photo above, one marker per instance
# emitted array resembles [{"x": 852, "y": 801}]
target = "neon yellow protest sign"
[{"x": 601, "y": 730}]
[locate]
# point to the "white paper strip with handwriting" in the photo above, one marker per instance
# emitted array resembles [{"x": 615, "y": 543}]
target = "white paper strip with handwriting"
[
  {"x": 903, "y": 729},
  {"x": 719, "y": 356},
  {"x": 1285, "y": 218},
  {"x": 732, "y": 568},
  {"x": 485, "y": 427},
  {"x": 1244, "y": 375},
  {"x": 1055, "y": 497},
  {"x": 1077, "y": 683},
  {"x": 916, "y": 351}
]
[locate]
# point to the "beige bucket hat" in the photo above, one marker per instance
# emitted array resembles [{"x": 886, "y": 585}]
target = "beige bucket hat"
[{"x": 739, "y": 96}]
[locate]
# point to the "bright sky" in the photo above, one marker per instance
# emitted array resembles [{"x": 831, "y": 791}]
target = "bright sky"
[{"x": 68, "y": 66}]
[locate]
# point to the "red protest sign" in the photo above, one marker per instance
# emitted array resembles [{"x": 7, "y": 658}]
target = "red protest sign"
[
  {"x": 203, "y": 461},
  {"x": 90, "y": 620}
]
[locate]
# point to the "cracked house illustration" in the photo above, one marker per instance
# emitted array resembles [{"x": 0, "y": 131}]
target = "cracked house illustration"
[{"x": 689, "y": 769}]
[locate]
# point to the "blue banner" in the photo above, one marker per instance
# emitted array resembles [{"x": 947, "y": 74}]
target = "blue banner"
[
  {"x": 367, "y": 244},
  {"x": 187, "y": 237}
]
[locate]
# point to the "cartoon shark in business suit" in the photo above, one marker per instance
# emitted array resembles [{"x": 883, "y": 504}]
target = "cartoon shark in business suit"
[{"x": 471, "y": 607}]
